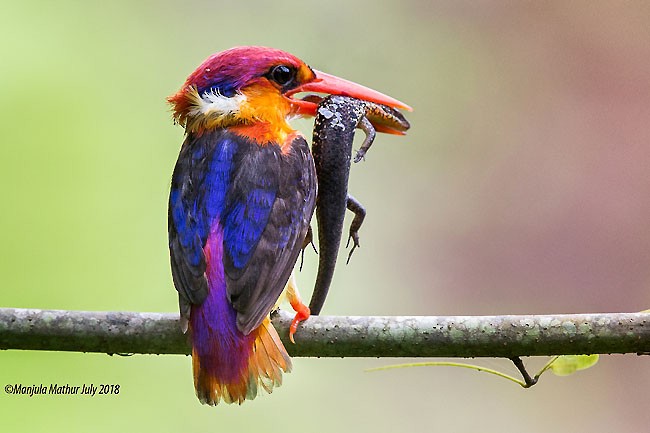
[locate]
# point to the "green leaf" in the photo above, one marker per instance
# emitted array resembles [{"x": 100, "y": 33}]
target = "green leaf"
[{"x": 568, "y": 364}]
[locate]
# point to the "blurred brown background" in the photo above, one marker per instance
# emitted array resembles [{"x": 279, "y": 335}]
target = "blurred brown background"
[{"x": 523, "y": 187}]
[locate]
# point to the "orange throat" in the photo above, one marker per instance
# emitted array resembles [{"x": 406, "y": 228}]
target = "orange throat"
[{"x": 264, "y": 133}]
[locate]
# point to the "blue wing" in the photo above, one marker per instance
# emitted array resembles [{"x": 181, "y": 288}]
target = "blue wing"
[
  {"x": 199, "y": 186},
  {"x": 266, "y": 216},
  {"x": 263, "y": 200}
]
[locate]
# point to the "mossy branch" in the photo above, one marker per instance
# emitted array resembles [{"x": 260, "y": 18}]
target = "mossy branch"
[{"x": 332, "y": 336}]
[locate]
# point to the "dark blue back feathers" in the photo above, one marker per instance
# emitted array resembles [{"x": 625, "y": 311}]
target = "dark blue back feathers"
[{"x": 263, "y": 201}]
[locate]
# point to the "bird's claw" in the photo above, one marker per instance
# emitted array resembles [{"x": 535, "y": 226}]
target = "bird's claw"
[{"x": 302, "y": 313}]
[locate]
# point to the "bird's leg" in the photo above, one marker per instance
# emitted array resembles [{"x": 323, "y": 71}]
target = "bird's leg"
[
  {"x": 302, "y": 311},
  {"x": 359, "y": 214},
  {"x": 309, "y": 240},
  {"x": 369, "y": 130}
]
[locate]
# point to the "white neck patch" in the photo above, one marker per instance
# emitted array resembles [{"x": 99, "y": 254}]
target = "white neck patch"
[{"x": 214, "y": 103}]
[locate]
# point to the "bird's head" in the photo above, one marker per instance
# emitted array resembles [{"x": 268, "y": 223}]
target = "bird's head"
[{"x": 249, "y": 85}]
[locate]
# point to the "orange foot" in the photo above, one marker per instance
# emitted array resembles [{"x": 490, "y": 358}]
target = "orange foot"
[{"x": 302, "y": 311}]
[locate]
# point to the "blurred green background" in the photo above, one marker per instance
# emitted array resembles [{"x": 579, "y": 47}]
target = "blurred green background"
[{"x": 523, "y": 187}]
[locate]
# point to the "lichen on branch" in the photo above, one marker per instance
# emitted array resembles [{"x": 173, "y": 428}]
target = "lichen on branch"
[{"x": 341, "y": 336}]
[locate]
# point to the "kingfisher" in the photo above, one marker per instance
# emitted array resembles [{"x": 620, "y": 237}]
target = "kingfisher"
[{"x": 242, "y": 196}]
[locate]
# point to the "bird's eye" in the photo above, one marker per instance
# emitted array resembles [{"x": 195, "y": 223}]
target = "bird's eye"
[{"x": 282, "y": 74}]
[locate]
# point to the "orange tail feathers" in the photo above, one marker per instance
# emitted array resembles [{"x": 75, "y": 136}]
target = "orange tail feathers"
[{"x": 266, "y": 361}]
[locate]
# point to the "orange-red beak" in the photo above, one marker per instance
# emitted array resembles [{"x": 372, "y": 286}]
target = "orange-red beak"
[{"x": 332, "y": 85}]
